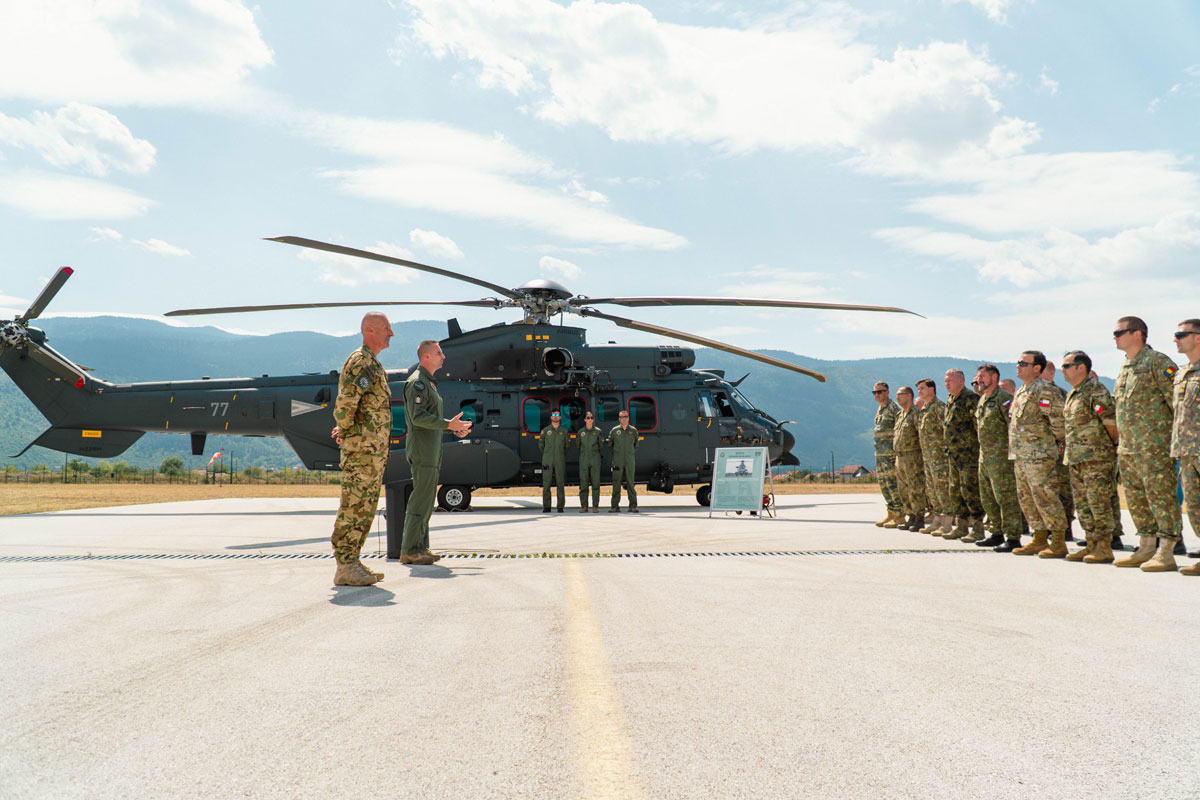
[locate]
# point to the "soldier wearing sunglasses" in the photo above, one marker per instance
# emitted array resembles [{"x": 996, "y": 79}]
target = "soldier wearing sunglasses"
[{"x": 1185, "y": 433}]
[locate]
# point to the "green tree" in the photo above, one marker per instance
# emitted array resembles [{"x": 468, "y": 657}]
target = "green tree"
[{"x": 173, "y": 466}]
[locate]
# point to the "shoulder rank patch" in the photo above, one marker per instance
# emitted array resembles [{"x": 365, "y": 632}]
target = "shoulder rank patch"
[
  {"x": 364, "y": 382},
  {"x": 1099, "y": 409},
  {"x": 417, "y": 399},
  {"x": 1170, "y": 371},
  {"x": 1044, "y": 403},
  {"x": 419, "y": 385}
]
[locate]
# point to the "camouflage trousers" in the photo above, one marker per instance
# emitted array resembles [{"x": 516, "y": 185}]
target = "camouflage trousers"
[
  {"x": 1037, "y": 489},
  {"x": 1094, "y": 485},
  {"x": 885, "y": 473},
  {"x": 1150, "y": 483},
  {"x": 589, "y": 476},
  {"x": 963, "y": 485},
  {"x": 910, "y": 480},
  {"x": 998, "y": 493},
  {"x": 1189, "y": 475},
  {"x": 1065, "y": 492},
  {"x": 937, "y": 482},
  {"x": 362, "y": 475}
]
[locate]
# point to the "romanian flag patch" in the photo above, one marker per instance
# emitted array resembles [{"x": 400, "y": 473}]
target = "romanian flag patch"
[
  {"x": 1044, "y": 403},
  {"x": 1170, "y": 371}
]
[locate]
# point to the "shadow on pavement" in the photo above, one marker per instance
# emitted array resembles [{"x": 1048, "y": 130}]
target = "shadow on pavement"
[{"x": 366, "y": 596}]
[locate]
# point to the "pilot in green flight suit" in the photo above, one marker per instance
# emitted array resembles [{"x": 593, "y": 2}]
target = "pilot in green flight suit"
[
  {"x": 589, "y": 440},
  {"x": 553, "y": 443},
  {"x": 623, "y": 441}
]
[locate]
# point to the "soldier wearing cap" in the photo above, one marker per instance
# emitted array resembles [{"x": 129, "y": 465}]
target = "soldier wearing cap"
[
  {"x": 1090, "y": 418},
  {"x": 589, "y": 441},
  {"x": 1185, "y": 432},
  {"x": 1036, "y": 436},
  {"x": 623, "y": 441},
  {"x": 553, "y": 441},
  {"x": 363, "y": 413},
  {"x": 885, "y": 456}
]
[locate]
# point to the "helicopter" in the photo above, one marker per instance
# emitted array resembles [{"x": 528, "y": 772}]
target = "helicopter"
[{"x": 506, "y": 379}]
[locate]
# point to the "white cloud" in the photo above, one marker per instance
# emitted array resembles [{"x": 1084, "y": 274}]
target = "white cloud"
[
  {"x": 560, "y": 266},
  {"x": 46, "y": 195},
  {"x": 435, "y": 244},
  {"x": 776, "y": 283},
  {"x": 1048, "y": 83},
  {"x": 577, "y": 189},
  {"x": 102, "y": 234},
  {"x": 129, "y": 52},
  {"x": 80, "y": 136},
  {"x": 350, "y": 271},
  {"x": 996, "y": 10},
  {"x": 156, "y": 246}
]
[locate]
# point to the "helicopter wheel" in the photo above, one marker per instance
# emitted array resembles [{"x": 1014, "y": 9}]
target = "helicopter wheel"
[
  {"x": 454, "y": 498},
  {"x": 704, "y": 495}
]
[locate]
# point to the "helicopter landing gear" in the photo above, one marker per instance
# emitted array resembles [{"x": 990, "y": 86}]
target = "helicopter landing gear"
[
  {"x": 704, "y": 495},
  {"x": 454, "y": 498}
]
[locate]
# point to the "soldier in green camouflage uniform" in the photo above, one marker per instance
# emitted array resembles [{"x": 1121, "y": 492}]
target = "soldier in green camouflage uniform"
[
  {"x": 363, "y": 413},
  {"x": 1144, "y": 416},
  {"x": 885, "y": 456},
  {"x": 933, "y": 454},
  {"x": 997, "y": 481},
  {"x": 623, "y": 441},
  {"x": 423, "y": 450},
  {"x": 1036, "y": 436},
  {"x": 589, "y": 441},
  {"x": 910, "y": 467},
  {"x": 1185, "y": 432},
  {"x": 553, "y": 441},
  {"x": 1064, "y": 475},
  {"x": 962, "y": 453},
  {"x": 1090, "y": 418}
]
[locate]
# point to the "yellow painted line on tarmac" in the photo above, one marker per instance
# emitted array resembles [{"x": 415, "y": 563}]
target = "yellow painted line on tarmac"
[{"x": 604, "y": 763}]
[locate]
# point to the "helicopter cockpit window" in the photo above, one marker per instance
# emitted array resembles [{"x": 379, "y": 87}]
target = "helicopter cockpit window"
[
  {"x": 472, "y": 410},
  {"x": 607, "y": 409},
  {"x": 535, "y": 414},
  {"x": 723, "y": 404},
  {"x": 740, "y": 400},
  {"x": 643, "y": 413},
  {"x": 398, "y": 424},
  {"x": 707, "y": 406},
  {"x": 572, "y": 409}
]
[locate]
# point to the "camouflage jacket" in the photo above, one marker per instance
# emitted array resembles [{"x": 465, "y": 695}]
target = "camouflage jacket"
[
  {"x": 363, "y": 411},
  {"x": 959, "y": 424},
  {"x": 1144, "y": 410},
  {"x": 623, "y": 444},
  {"x": 1035, "y": 422},
  {"x": 906, "y": 438},
  {"x": 991, "y": 425},
  {"x": 553, "y": 444},
  {"x": 929, "y": 427},
  {"x": 423, "y": 413},
  {"x": 1185, "y": 435},
  {"x": 1088, "y": 409},
  {"x": 885, "y": 428}
]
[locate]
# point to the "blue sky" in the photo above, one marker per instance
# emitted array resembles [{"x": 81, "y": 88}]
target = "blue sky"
[{"x": 1021, "y": 173}]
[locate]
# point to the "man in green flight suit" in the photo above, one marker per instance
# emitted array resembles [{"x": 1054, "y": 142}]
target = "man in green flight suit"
[
  {"x": 553, "y": 441},
  {"x": 623, "y": 442},
  {"x": 423, "y": 449},
  {"x": 589, "y": 441},
  {"x": 363, "y": 413}
]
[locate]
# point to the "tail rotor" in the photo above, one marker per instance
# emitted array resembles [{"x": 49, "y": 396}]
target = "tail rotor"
[{"x": 18, "y": 335}]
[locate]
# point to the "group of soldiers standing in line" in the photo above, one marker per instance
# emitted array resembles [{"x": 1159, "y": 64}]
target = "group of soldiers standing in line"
[
  {"x": 622, "y": 441},
  {"x": 1033, "y": 458}
]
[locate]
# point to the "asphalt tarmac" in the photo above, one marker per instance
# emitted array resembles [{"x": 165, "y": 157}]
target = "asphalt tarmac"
[{"x": 200, "y": 650}]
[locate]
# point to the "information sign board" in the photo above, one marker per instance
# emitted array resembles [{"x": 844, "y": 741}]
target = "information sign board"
[{"x": 738, "y": 476}]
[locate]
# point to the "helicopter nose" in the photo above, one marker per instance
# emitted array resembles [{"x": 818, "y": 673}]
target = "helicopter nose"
[{"x": 782, "y": 452}]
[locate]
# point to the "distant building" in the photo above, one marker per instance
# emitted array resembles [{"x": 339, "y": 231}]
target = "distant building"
[{"x": 853, "y": 471}]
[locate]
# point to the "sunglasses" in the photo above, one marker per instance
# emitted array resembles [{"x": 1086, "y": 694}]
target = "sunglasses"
[
  {"x": 1072, "y": 364},
  {"x": 1181, "y": 334},
  {"x": 1024, "y": 363},
  {"x": 880, "y": 391},
  {"x": 1118, "y": 334}
]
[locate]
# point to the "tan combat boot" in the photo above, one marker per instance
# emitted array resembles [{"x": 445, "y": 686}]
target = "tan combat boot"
[
  {"x": 1079, "y": 555},
  {"x": 934, "y": 521},
  {"x": 360, "y": 569},
  {"x": 947, "y": 525},
  {"x": 1194, "y": 569},
  {"x": 1039, "y": 543},
  {"x": 1057, "y": 547},
  {"x": 1164, "y": 559},
  {"x": 415, "y": 558},
  {"x": 884, "y": 521},
  {"x": 378, "y": 575},
  {"x": 1101, "y": 552},
  {"x": 1141, "y": 556},
  {"x": 893, "y": 520},
  {"x": 433, "y": 555},
  {"x": 974, "y": 531},
  {"x": 960, "y": 529},
  {"x": 346, "y": 575}
]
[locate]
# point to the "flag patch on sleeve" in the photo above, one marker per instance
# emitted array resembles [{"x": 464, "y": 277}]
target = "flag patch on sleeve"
[
  {"x": 1099, "y": 409},
  {"x": 1044, "y": 403},
  {"x": 1170, "y": 371}
]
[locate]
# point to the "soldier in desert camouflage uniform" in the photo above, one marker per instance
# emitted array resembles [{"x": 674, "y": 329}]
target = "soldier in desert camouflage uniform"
[
  {"x": 1091, "y": 455},
  {"x": 997, "y": 482},
  {"x": 885, "y": 456},
  {"x": 962, "y": 453},
  {"x": 1185, "y": 433},
  {"x": 1144, "y": 394},
  {"x": 363, "y": 413},
  {"x": 910, "y": 467},
  {"x": 1036, "y": 436},
  {"x": 933, "y": 454}
]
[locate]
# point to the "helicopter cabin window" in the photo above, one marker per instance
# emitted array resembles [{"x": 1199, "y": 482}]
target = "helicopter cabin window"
[
  {"x": 723, "y": 404},
  {"x": 607, "y": 409},
  {"x": 399, "y": 427},
  {"x": 643, "y": 413},
  {"x": 472, "y": 410},
  {"x": 535, "y": 414},
  {"x": 572, "y": 409},
  {"x": 706, "y": 405}
]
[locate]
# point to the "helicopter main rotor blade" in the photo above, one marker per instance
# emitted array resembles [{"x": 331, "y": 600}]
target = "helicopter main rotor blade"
[
  {"x": 43, "y": 299},
  {"x": 60, "y": 367},
  {"x": 189, "y": 312},
  {"x": 351, "y": 251},
  {"x": 635, "y": 302},
  {"x": 691, "y": 337}
]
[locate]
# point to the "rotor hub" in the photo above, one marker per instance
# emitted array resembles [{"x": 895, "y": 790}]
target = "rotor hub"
[{"x": 12, "y": 334}]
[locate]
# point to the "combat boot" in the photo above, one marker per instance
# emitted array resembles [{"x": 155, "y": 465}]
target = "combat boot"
[
  {"x": 433, "y": 555},
  {"x": 947, "y": 525},
  {"x": 1101, "y": 553},
  {"x": 378, "y": 575},
  {"x": 416, "y": 559},
  {"x": 1057, "y": 547},
  {"x": 893, "y": 520},
  {"x": 918, "y": 522},
  {"x": 934, "y": 521},
  {"x": 1141, "y": 555},
  {"x": 360, "y": 570},
  {"x": 1164, "y": 559},
  {"x": 884, "y": 521},
  {"x": 1079, "y": 555},
  {"x": 995, "y": 540},
  {"x": 1194, "y": 569},
  {"x": 1039, "y": 543},
  {"x": 960, "y": 529},
  {"x": 346, "y": 575},
  {"x": 977, "y": 529}
]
